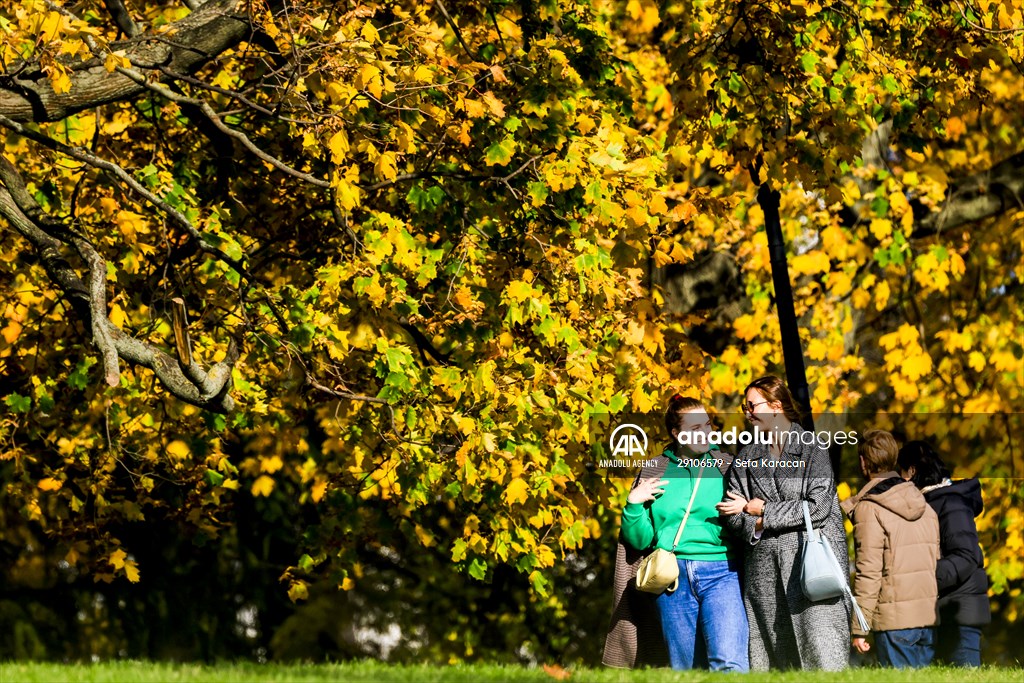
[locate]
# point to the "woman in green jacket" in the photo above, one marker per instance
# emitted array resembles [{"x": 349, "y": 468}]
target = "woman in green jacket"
[{"x": 707, "y": 600}]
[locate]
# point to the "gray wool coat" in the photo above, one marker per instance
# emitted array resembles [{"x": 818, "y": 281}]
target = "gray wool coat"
[{"x": 787, "y": 631}]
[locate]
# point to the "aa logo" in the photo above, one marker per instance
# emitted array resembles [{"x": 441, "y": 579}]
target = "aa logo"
[{"x": 628, "y": 441}]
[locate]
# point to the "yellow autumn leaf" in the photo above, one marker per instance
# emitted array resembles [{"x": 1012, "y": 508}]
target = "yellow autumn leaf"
[
  {"x": 642, "y": 401},
  {"x": 60, "y": 81},
  {"x": 117, "y": 315},
  {"x": 494, "y": 105},
  {"x": 386, "y": 167},
  {"x": 271, "y": 464},
  {"x": 516, "y": 491},
  {"x": 634, "y": 333},
  {"x": 370, "y": 33},
  {"x": 881, "y": 228},
  {"x": 346, "y": 194},
  {"x": 423, "y": 74},
  {"x": 474, "y": 108},
  {"x": 747, "y": 327},
  {"x": 917, "y": 366},
  {"x": 376, "y": 293},
  {"x": 834, "y": 242},
  {"x": 178, "y": 449},
  {"x": 338, "y": 144},
  {"x": 810, "y": 263},
  {"x": 425, "y": 537},
  {"x": 518, "y": 290},
  {"x": 11, "y": 332},
  {"x": 369, "y": 79},
  {"x": 907, "y": 334},
  {"x": 657, "y": 205},
  {"x": 976, "y": 361},
  {"x": 263, "y": 486},
  {"x": 881, "y": 295},
  {"x": 116, "y": 60},
  {"x": 840, "y": 283},
  {"x": 298, "y": 591},
  {"x": 898, "y": 204},
  {"x": 545, "y": 556},
  {"x": 131, "y": 571},
  {"x": 319, "y": 489},
  {"x": 47, "y": 26},
  {"x": 117, "y": 558},
  {"x": 585, "y": 124},
  {"x": 816, "y": 349},
  {"x": 50, "y": 484}
]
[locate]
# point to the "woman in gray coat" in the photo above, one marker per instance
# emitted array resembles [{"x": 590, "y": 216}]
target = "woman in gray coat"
[{"x": 764, "y": 493}]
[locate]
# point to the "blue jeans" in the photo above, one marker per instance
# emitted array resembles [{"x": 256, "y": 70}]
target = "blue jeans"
[
  {"x": 906, "y": 647},
  {"x": 959, "y": 645},
  {"x": 708, "y": 603}
]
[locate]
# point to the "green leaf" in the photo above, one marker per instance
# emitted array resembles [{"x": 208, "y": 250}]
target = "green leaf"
[
  {"x": 500, "y": 153},
  {"x": 18, "y": 403},
  {"x": 303, "y": 334},
  {"x": 538, "y": 192},
  {"x": 880, "y": 205},
  {"x": 809, "y": 62},
  {"x": 79, "y": 378},
  {"x": 478, "y": 569},
  {"x": 539, "y": 583}
]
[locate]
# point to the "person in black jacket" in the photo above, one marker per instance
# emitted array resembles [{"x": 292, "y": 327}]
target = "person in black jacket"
[{"x": 960, "y": 574}]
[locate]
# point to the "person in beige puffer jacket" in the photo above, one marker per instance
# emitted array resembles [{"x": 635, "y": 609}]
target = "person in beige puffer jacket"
[{"x": 896, "y": 540}]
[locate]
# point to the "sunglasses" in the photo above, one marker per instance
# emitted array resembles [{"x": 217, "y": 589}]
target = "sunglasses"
[{"x": 748, "y": 407}]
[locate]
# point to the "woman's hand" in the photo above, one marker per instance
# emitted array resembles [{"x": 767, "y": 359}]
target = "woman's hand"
[
  {"x": 861, "y": 644},
  {"x": 647, "y": 490},
  {"x": 754, "y": 507},
  {"x": 727, "y": 508}
]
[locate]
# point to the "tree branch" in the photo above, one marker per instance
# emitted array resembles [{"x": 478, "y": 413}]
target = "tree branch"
[
  {"x": 91, "y": 159},
  {"x": 208, "y": 390},
  {"x": 974, "y": 198},
  {"x": 213, "y": 28},
  {"x": 211, "y": 115},
  {"x": 119, "y": 13}
]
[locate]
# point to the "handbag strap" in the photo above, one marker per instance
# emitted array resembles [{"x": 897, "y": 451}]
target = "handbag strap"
[
  {"x": 812, "y": 535},
  {"x": 686, "y": 516}
]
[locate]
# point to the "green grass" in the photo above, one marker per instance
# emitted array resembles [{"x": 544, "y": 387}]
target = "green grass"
[{"x": 145, "y": 672}]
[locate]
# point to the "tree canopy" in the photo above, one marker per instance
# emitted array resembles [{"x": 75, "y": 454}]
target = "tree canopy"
[{"x": 335, "y": 289}]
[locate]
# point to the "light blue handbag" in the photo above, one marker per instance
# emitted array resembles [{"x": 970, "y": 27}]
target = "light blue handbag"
[{"x": 821, "y": 577}]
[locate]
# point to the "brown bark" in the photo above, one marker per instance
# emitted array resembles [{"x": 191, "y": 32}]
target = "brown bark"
[{"x": 190, "y": 43}]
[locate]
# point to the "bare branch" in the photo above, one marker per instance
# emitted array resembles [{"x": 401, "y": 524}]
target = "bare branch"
[
  {"x": 206, "y": 389},
  {"x": 122, "y": 17},
  {"x": 455, "y": 28},
  {"x": 181, "y": 338},
  {"x": 89, "y": 158},
  {"x": 216, "y": 26},
  {"x": 976, "y": 197},
  {"x": 210, "y": 114}
]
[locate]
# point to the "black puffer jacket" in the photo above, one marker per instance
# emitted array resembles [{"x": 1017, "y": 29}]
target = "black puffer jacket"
[{"x": 963, "y": 584}]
